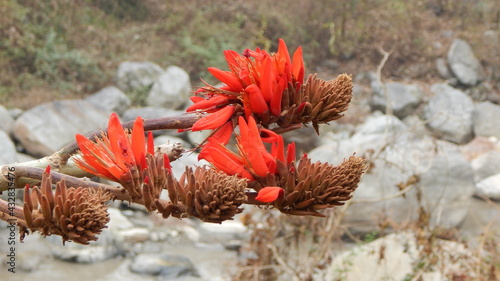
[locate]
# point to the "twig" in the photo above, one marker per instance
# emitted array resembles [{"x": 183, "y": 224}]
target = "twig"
[
  {"x": 388, "y": 107},
  {"x": 282, "y": 262},
  {"x": 9, "y": 213}
]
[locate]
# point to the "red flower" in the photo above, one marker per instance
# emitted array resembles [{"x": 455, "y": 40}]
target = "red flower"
[
  {"x": 256, "y": 81},
  {"x": 269, "y": 194},
  {"x": 113, "y": 155},
  {"x": 253, "y": 159}
]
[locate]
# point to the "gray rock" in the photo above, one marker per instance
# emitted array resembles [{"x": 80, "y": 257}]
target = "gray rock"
[
  {"x": 489, "y": 187},
  {"x": 442, "y": 68},
  {"x": 401, "y": 253},
  {"x": 486, "y": 120},
  {"x": 227, "y": 230},
  {"x": 8, "y": 152},
  {"x": 171, "y": 89},
  {"x": 46, "y": 128},
  {"x": 444, "y": 178},
  {"x": 403, "y": 98},
  {"x": 380, "y": 124},
  {"x": 463, "y": 63},
  {"x": 168, "y": 266},
  {"x": 136, "y": 75},
  {"x": 486, "y": 165},
  {"x": 477, "y": 147},
  {"x": 449, "y": 113},
  {"x": 6, "y": 120},
  {"x": 483, "y": 92},
  {"x": 111, "y": 99},
  {"x": 15, "y": 112}
]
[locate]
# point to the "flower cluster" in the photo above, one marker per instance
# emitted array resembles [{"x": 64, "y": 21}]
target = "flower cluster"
[
  {"x": 271, "y": 88},
  {"x": 293, "y": 189},
  {"x": 128, "y": 159}
]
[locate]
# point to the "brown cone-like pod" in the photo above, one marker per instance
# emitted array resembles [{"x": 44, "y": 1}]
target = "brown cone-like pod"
[
  {"x": 154, "y": 179},
  {"x": 207, "y": 194},
  {"x": 317, "y": 101},
  {"x": 76, "y": 214},
  {"x": 314, "y": 186}
]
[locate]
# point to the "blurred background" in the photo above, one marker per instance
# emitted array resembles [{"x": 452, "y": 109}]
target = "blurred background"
[{"x": 72, "y": 48}]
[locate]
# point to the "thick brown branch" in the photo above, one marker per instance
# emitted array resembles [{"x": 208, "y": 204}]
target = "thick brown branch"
[
  {"x": 11, "y": 213},
  {"x": 116, "y": 192}
]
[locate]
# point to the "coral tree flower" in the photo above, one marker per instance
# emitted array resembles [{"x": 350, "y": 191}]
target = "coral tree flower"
[
  {"x": 272, "y": 88},
  {"x": 113, "y": 155},
  {"x": 293, "y": 189},
  {"x": 253, "y": 160},
  {"x": 128, "y": 158},
  {"x": 255, "y": 84}
]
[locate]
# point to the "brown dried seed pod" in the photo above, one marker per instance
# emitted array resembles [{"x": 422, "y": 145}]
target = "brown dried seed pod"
[
  {"x": 209, "y": 195},
  {"x": 77, "y": 214},
  {"x": 315, "y": 186}
]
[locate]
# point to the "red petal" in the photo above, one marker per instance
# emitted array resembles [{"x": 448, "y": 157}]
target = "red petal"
[
  {"x": 290, "y": 153},
  {"x": 267, "y": 79},
  {"x": 166, "y": 163},
  {"x": 283, "y": 51},
  {"x": 227, "y": 78},
  {"x": 118, "y": 141},
  {"x": 268, "y": 136},
  {"x": 269, "y": 194},
  {"x": 207, "y": 104},
  {"x": 223, "y": 134},
  {"x": 257, "y": 101},
  {"x": 278, "y": 149},
  {"x": 138, "y": 140},
  {"x": 151, "y": 143},
  {"x": 214, "y": 120},
  {"x": 277, "y": 97},
  {"x": 298, "y": 66}
]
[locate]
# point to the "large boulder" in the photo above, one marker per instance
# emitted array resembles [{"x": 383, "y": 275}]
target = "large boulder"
[
  {"x": 46, "y": 128},
  {"x": 434, "y": 174},
  {"x": 132, "y": 75},
  {"x": 171, "y": 89},
  {"x": 8, "y": 152},
  {"x": 489, "y": 187},
  {"x": 486, "y": 120},
  {"x": 6, "y": 120},
  {"x": 403, "y": 98},
  {"x": 399, "y": 256},
  {"x": 110, "y": 99},
  {"x": 449, "y": 113},
  {"x": 463, "y": 63},
  {"x": 486, "y": 164}
]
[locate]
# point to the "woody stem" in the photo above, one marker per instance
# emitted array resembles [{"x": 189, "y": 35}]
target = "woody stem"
[
  {"x": 11, "y": 213},
  {"x": 116, "y": 192}
]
